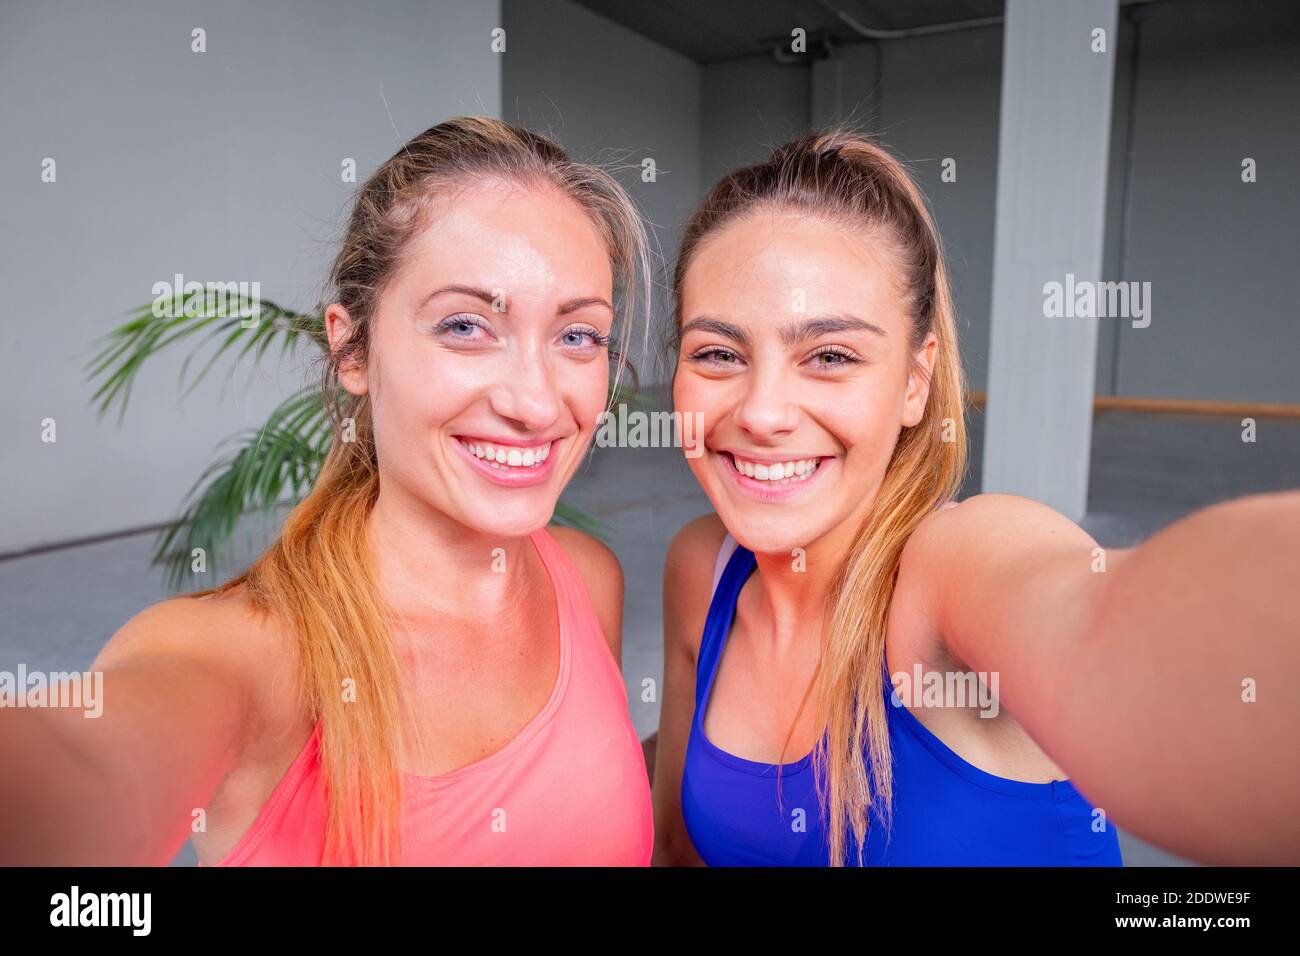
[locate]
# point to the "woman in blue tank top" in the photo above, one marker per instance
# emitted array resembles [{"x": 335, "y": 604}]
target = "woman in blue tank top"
[
  {"x": 946, "y": 811},
  {"x": 881, "y": 676}
]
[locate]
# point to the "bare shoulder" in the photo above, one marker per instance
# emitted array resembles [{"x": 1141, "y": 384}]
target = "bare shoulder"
[
  {"x": 598, "y": 565},
  {"x": 224, "y": 637},
  {"x": 210, "y": 626},
  {"x": 992, "y": 523},
  {"x": 968, "y": 573},
  {"x": 601, "y": 573},
  {"x": 688, "y": 578},
  {"x": 695, "y": 547}
]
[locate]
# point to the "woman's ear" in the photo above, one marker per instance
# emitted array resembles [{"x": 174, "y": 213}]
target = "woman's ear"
[
  {"x": 918, "y": 381},
  {"x": 338, "y": 330}
]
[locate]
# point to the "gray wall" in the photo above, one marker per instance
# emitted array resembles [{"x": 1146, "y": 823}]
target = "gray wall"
[
  {"x": 223, "y": 165},
  {"x": 611, "y": 96},
  {"x": 1214, "y": 82},
  {"x": 937, "y": 98},
  {"x": 750, "y": 106}
]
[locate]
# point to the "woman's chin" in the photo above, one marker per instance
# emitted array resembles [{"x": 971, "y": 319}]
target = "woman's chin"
[
  {"x": 511, "y": 522},
  {"x": 762, "y": 538}
]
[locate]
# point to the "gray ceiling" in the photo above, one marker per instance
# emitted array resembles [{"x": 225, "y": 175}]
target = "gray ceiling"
[{"x": 711, "y": 30}]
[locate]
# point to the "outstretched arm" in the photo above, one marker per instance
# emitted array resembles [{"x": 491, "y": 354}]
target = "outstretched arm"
[
  {"x": 119, "y": 788},
  {"x": 1167, "y": 685}
]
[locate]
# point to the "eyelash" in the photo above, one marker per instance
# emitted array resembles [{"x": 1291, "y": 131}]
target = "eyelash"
[
  {"x": 704, "y": 356},
  {"x": 460, "y": 318},
  {"x": 468, "y": 318},
  {"x": 849, "y": 357},
  {"x": 708, "y": 355},
  {"x": 601, "y": 341}
]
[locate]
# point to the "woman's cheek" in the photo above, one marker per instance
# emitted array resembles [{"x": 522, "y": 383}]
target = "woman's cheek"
[
  {"x": 689, "y": 396},
  {"x": 594, "y": 389}
]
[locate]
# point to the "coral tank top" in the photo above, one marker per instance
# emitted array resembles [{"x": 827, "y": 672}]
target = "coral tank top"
[{"x": 570, "y": 789}]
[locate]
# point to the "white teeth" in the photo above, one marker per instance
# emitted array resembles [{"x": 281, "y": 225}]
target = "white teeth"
[
  {"x": 505, "y": 458},
  {"x": 782, "y": 472}
]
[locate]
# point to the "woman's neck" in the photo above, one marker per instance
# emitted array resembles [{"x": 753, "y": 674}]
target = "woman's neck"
[
  {"x": 795, "y": 588},
  {"x": 428, "y": 563}
]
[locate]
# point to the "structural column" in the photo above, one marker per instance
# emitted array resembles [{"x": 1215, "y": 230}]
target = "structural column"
[{"x": 1057, "y": 73}]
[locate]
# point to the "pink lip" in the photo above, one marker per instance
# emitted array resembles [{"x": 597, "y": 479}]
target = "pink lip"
[
  {"x": 506, "y": 442},
  {"x": 515, "y": 477},
  {"x": 763, "y": 490},
  {"x": 766, "y": 459}
]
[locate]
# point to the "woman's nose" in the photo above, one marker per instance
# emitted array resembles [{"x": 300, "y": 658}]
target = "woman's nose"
[
  {"x": 527, "y": 393},
  {"x": 768, "y": 408}
]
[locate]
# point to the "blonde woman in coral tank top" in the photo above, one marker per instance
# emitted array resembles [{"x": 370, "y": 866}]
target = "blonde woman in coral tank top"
[{"x": 418, "y": 671}]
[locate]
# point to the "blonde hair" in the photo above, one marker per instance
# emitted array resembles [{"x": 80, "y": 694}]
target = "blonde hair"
[
  {"x": 852, "y": 181},
  {"x": 318, "y": 576}
]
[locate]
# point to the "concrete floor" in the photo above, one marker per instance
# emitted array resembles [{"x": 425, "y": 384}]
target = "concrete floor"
[{"x": 57, "y": 608}]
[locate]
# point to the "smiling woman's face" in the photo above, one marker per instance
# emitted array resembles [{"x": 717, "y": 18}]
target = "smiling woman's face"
[
  {"x": 794, "y": 349},
  {"x": 488, "y": 365}
]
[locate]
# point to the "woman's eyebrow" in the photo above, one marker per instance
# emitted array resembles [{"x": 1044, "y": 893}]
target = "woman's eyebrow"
[
  {"x": 708, "y": 323},
  {"x": 572, "y": 305},
  {"x": 470, "y": 291},
  {"x": 827, "y": 325},
  {"x": 791, "y": 334}
]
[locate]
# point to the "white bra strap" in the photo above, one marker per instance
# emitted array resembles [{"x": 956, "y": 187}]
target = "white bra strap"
[{"x": 729, "y": 545}]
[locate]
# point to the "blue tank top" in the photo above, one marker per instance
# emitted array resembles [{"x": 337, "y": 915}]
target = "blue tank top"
[{"x": 946, "y": 811}]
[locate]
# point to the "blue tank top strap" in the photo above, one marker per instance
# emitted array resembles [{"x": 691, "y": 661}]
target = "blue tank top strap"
[{"x": 722, "y": 611}]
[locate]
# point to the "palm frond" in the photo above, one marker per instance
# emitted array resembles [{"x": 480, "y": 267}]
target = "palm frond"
[
  {"x": 571, "y": 517},
  {"x": 203, "y": 318},
  {"x": 273, "y": 465},
  {"x": 622, "y": 394}
]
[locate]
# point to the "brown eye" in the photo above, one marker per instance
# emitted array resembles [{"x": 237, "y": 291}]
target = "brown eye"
[
  {"x": 715, "y": 356},
  {"x": 833, "y": 357}
]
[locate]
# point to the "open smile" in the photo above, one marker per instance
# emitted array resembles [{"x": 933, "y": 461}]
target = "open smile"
[
  {"x": 506, "y": 463},
  {"x": 769, "y": 479}
]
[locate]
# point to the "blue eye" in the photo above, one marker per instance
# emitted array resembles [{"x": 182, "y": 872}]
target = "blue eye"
[
  {"x": 462, "y": 325},
  {"x": 582, "y": 337}
]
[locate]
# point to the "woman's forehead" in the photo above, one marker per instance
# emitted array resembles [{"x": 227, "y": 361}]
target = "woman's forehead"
[
  {"x": 775, "y": 265},
  {"x": 530, "y": 240}
]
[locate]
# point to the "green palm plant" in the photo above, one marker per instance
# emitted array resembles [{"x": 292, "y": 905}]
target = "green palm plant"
[{"x": 256, "y": 471}]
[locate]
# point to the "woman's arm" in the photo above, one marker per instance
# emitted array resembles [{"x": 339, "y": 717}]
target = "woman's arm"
[
  {"x": 1165, "y": 685},
  {"x": 687, "y": 575},
  {"x": 121, "y": 788}
]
